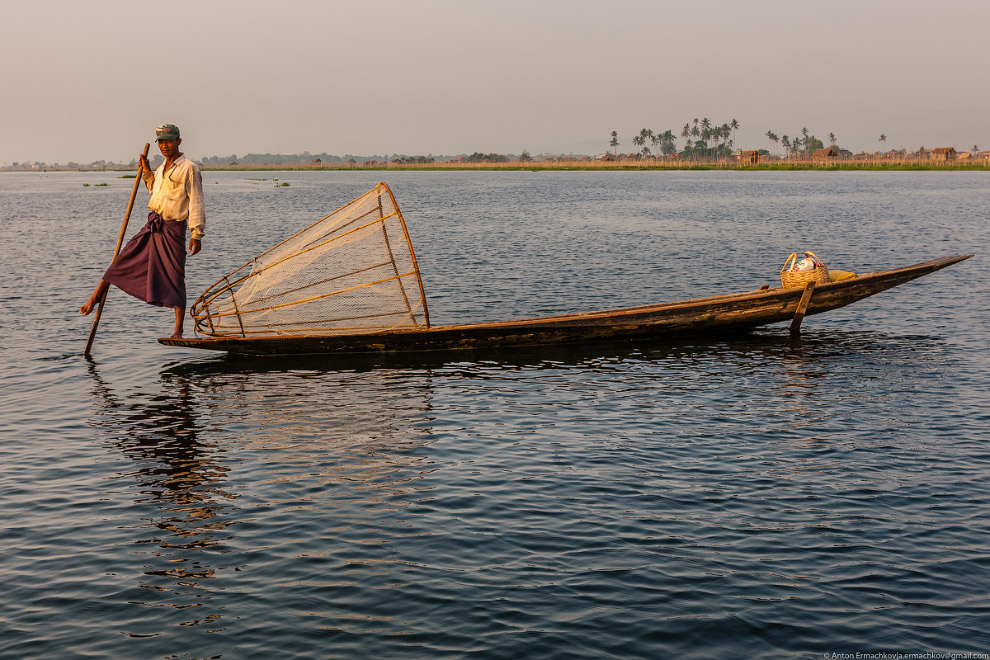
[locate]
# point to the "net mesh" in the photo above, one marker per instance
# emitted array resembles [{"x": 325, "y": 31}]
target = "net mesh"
[{"x": 354, "y": 270}]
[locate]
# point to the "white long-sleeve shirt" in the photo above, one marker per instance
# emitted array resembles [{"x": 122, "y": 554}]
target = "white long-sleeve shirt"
[{"x": 178, "y": 194}]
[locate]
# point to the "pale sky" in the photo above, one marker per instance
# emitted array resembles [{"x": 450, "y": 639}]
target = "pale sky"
[{"x": 85, "y": 81}]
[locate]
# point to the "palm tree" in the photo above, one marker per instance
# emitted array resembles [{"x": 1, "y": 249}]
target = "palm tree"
[
  {"x": 615, "y": 143},
  {"x": 770, "y": 137},
  {"x": 644, "y": 135},
  {"x": 786, "y": 141},
  {"x": 805, "y": 142},
  {"x": 734, "y": 125},
  {"x": 831, "y": 138},
  {"x": 638, "y": 140},
  {"x": 706, "y": 128},
  {"x": 883, "y": 138},
  {"x": 667, "y": 145},
  {"x": 660, "y": 142},
  {"x": 686, "y": 133}
]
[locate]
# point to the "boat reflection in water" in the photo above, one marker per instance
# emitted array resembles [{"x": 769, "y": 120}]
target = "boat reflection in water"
[
  {"x": 182, "y": 505},
  {"x": 220, "y": 449}
]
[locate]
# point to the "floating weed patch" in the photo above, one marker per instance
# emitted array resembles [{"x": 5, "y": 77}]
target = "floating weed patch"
[
  {"x": 101, "y": 185},
  {"x": 85, "y": 185}
]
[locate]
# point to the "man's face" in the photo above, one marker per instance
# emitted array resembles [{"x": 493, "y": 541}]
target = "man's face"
[{"x": 169, "y": 148}]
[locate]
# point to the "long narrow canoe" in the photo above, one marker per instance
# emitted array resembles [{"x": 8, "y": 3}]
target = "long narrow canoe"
[{"x": 718, "y": 314}]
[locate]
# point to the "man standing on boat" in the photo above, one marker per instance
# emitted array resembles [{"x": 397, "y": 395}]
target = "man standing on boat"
[{"x": 152, "y": 266}]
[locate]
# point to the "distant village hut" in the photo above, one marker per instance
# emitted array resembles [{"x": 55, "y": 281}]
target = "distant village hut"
[
  {"x": 824, "y": 154},
  {"x": 944, "y": 154},
  {"x": 749, "y": 157}
]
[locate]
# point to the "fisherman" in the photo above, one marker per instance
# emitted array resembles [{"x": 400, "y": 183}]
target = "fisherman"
[{"x": 152, "y": 266}]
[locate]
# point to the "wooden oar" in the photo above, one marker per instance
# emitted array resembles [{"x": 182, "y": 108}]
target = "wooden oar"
[{"x": 116, "y": 251}]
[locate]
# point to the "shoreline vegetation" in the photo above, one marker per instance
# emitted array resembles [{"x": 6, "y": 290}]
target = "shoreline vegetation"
[
  {"x": 576, "y": 164},
  {"x": 644, "y": 165},
  {"x": 707, "y": 146}
]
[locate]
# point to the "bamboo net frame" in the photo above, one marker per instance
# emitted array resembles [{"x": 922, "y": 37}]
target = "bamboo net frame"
[{"x": 353, "y": 270}]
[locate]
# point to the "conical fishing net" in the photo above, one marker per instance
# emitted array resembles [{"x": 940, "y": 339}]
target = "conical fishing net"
[{"x": 352, "y": 271}]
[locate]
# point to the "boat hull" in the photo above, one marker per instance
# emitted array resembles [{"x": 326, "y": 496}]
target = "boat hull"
[{"x": 718, "y": 314}]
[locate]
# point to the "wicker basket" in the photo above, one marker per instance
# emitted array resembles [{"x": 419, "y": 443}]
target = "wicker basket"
[{"x": 796, "y": 279}]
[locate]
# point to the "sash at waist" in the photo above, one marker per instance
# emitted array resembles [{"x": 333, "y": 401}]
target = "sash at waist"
[{"x": 158, "y": 224}]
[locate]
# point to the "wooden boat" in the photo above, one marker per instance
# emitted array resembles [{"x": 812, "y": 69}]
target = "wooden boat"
[{"x": 719, "y": 314}]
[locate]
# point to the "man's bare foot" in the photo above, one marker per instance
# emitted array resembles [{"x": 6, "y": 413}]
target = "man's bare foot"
[
  {"x": 94, "y": 299},
  {"x": 90, "y": 304},
  {"x": 177, "y": 330}
]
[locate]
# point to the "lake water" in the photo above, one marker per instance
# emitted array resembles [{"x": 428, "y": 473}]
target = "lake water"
[{"x": 755, "y": 497}]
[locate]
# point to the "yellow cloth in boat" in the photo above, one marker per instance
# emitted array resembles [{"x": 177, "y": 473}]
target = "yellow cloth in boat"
[{"x": 839, "y": 275}]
